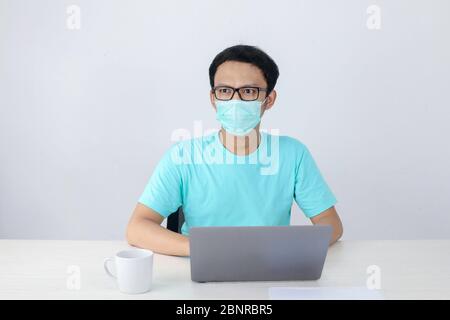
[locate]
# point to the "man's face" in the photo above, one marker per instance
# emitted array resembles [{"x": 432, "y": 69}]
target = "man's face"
[{"x": 241, "y": 74}]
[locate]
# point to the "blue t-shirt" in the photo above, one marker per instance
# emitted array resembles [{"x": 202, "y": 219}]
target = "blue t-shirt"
[{"x": 215, "y": 187}]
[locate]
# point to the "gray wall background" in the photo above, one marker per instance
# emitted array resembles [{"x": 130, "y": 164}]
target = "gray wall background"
[{"x": 86, "y": 114}]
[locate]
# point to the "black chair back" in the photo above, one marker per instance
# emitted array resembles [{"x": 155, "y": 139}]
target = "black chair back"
[{"x": 175, "y": 220}]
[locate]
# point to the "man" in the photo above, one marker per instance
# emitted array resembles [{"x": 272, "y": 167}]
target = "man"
[{"x": 227, "y": 178}]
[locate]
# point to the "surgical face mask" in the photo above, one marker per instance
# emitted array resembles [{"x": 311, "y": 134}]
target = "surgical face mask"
[{"x": 238, "y": 117}]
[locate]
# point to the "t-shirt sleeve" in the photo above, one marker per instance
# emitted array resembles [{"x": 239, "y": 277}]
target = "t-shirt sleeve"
[
  {"x": 312, "y": 194},
  {"x": 163, "y": 192}
]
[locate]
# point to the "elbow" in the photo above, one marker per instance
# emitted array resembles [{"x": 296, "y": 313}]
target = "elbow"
[
  {"x": 339, "y": 236},
  {"x": 340, "y": 232},
  {"x": 129, "y": 234}
]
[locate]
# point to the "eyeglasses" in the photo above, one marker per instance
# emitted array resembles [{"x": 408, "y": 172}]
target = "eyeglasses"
[{"x": 245, "y": 93}]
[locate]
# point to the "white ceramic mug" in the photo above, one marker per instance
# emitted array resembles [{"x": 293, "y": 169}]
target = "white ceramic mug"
[{"x": 133, "y": 270}]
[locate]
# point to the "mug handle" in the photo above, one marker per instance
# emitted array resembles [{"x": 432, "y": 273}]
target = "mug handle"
[{"x": 105, "y": 265}]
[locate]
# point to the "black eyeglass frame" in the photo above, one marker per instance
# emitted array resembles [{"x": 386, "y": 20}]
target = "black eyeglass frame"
[{"x": 238, "y": 91}]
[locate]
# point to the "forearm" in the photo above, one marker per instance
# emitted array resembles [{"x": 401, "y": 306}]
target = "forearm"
[{"x": 144, "y": 233}]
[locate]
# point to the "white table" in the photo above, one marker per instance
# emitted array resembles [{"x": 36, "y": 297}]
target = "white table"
[{"x": 39, "y": 269}]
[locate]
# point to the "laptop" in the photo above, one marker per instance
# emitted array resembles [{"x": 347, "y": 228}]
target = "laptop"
[{"x": 280, "y": 253}]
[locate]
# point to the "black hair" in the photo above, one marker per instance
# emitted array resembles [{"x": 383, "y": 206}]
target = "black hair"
[{"x": 249, "y": 54}]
